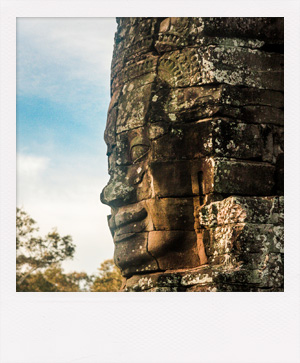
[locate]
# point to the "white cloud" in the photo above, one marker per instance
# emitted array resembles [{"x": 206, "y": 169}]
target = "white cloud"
[
  {"x": 30, "y": 166},
  {"x": 67, "y": 198}
]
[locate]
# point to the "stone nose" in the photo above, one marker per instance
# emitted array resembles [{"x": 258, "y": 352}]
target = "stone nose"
[{"x": 117, "y": 193}]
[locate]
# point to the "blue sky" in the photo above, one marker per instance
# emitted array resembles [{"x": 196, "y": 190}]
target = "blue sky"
[{"x": 63, "y": 78}]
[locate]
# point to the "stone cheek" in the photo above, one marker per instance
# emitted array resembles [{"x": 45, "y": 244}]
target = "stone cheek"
[
  {"x": 174, "y": 249},
  {"x": 132, "y": 256},
  {"x": 195, "y": 154},
  {"x": 171, "y": 213},
  {"x": 171, "y": 179}
]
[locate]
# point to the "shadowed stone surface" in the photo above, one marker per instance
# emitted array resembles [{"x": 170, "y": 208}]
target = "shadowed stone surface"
[{"x": 195, "y": 154}]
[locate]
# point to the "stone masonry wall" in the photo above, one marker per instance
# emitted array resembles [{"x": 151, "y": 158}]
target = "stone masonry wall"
[{"x": 195, "y": 147}]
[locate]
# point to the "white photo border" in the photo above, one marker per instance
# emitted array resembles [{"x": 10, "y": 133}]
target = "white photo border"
[{"x": 116, "y": 327}]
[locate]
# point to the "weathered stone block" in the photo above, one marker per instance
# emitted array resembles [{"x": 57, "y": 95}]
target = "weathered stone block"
[
  {"x": 117, "y": 68},
  {"x": 268, "y": 29},
  {"x": 184, "y": 142},
  {"x": 132, "y": 108},
  {"x": 249, "y": 96},
  {"x": 200, "y": 277},
  {"x": 144, "y": 187},
  {"x": 242, "y": 238},
  {"x": 239, "y": 177},
  {"x": 193, "y": 103},
  {"x": 120, "y": 154},
  {"x": 270, "y": 277},
  {"x": 279, "y": 210},
  {"x": 131, "y": 184},
  {"x": 228, "y": 176},
  {"x": 190, "y": 98},
  {"x": 152, "y": 280},
  {"x": 184, "y": 104},
  {"x": 218, "y": 64},
  {"x": 130, "y": 214},
  {"x": 217, "y": 136},
  {"x": 117, "y": 192},
  {"x": 242, "y": 67},
  {"x": 239, "y": 209},
  {"x": 188, "y": 104},
  {"x": 255, "y": 114},
  {"x": 207, "y": 40},
  {"x": 241, "y": 141}
]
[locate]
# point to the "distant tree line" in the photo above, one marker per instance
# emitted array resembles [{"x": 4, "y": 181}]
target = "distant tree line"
[{"x": 38, "y": 263}]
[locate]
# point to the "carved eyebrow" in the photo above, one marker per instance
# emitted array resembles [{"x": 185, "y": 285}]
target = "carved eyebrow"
[
  {"x": 138, "y": 141},
  {"x": 138, "y": 144}
]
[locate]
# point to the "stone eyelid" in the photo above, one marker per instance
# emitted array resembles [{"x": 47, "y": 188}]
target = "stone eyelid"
[{"x": 140, "y": 157}]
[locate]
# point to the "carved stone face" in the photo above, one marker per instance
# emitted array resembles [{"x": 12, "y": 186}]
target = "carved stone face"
[
  {"x": 155, "y": 185},
  {"x": 181, "y": 110}
]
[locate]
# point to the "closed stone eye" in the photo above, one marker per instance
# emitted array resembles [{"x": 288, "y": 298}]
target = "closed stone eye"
[{"x": 138, "y": 152}]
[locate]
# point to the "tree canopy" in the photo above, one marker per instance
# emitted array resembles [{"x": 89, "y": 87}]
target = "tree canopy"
[
  {"x": 109, "y": 278},
  {"x": 34, "y": 252},
  {"x": 38, "y": 263}
]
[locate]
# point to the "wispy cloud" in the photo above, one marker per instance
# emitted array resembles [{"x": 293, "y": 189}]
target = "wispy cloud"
[
  {"x": 58, "y": 53},
  {"x": 31, "y": 166}
]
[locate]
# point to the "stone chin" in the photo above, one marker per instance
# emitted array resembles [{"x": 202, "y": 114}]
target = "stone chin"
[
  {"x": 148, "y": 236},
  {"x": 139, "y": 253}
]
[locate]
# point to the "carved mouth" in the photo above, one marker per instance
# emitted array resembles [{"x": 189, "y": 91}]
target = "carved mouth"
[
  {"x": 132, "y": 214},
  {"x": 128, "y": 222}
]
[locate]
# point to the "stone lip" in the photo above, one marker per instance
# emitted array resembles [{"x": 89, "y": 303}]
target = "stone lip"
[{"x": 136, "y": 215}]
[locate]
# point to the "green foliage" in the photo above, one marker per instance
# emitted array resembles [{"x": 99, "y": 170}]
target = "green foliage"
[
  {"x": 53, "y": 279},
  {"x": 109, "y": 278},
  {"x": 39, "y": 268},
  {"x": 35, "y": 253},
  {"x": 35, "y": 282}
]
